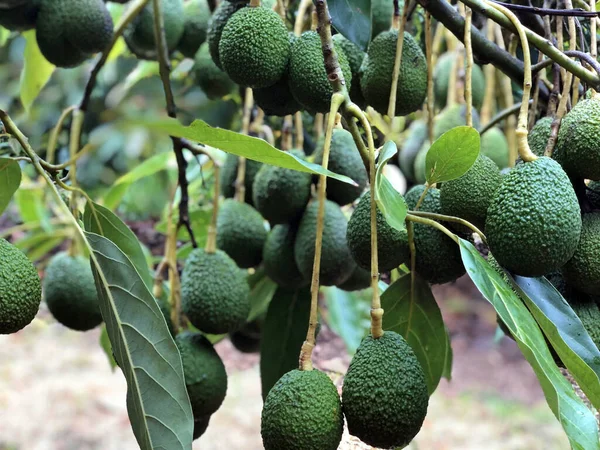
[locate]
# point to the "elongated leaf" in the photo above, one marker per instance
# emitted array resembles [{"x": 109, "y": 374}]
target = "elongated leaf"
[
  {"x": 420, "y": 322},
  {"x": 576, "y": 419},
  {"x": 389, "y": 201},
  {"x": 452, "y": 154},
  {"x": 10, "y": 180},
  {"x": 352, "y": 18},
  {"x": 565, "y": 332},
  {"x": 284, "y": 331},
  {"x": 36, "y": 70},
  {"x": 261, "y": 294},
  {"x": 348, "y": 315},
  {"x": 238, "y": 144},
  {"x": 114, "y": 229},
  {"x": 157, "y": 401}
]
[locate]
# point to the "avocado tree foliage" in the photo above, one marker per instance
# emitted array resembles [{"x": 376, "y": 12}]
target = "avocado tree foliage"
[{"x": 287, "y": 181}]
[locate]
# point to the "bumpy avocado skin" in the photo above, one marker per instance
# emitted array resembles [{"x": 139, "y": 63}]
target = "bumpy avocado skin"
[
  {"x": 593, "y": 194},
  {"x": 280, "y": 194},
  {"x": 214, "y": 292},
  {"x": 241, "y": 233},
  {"x": 302, "y": 412},
  {"x": 415, "y": 138},
  {"x": 355, "y": 58},
  {"x": 21, "y": 17},
  {"x": 469, "y": 196},
  {"x": 213, "y": 81},
  {"x": 582, "y": 271},
  {"x": 197, "y": 15},
  {"x": 384, "y": 396},
  {"x": 307, "y": 76},
  {"x": 254, "y": 49},
  {"x": 495, "y": 146},
  {"x": 204, "y": 373},
  {"x": 20, "y": 289},
  {"x": 70, "y": 292},
  {"x": 279, "y": 257},
  {"x": 534, "y": 221},
  {"x": 344, "y": 159},
  {"x": 336, "y": 261},
  {"x": 392, "y": 245},
  {"x": 221, "y": 15},
  {"x": 376, "y": 79},
  {"x": 578, "y": 144},
  {"x": 438, "y": 257},
  {"x": 539, "y": 135},
  {"x": 441, "y": 78},
  {"x": 451, "y": 117},
  {"x": 228, "y": 176}
]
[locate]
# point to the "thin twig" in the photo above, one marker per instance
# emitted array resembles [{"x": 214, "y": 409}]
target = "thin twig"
[{"x": 568, "y": 12}]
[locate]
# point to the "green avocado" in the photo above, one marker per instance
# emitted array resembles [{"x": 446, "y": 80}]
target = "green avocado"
[
  {"x": 217, "y": 22},
  {"x": 441, "y": 79},
  {"x": 451, "y": 117},
  {"x": 200, "y": 426},
  {"x": 20, "y": 289},
  {"x": 228, "y": 176},
  {"x": 70, "y": 292},
  {"x": 384, "y": 396},
  {"x": 277, "y": 100},
  {"x": 355, "y": 58},
  {"x": 582, "y": 271},
  {"x": 495, "y": 146},
  {"x": 593, "y": 194},
  {"x": 197, "y": 15},
  {"x": 279, "y": 258},
  {"x": 247, "y": 339},
  {"x": 213, "y": 81},
  {"x": 302, "y": 412},
  {"x": 359, "y": 279},
  {"x": 539, "y": 135},
  {"x": 415, "y": 137},
  {"x": 382, "y": 13},
  {"x": 20, "y": 17}
]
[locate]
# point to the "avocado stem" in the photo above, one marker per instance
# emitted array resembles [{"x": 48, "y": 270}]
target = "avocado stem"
[
  {"x": 429, "y": 56},
  {"x": 300, "y": 15},
  {"x": 490, "y": 83},
  {"x": 397, "y": 62},
  {"x": 240, "y": 181},
  {"x": 211, "y": 239},
  {"x": 299, "y": 130},
  {"x": 468, "y": 66}
]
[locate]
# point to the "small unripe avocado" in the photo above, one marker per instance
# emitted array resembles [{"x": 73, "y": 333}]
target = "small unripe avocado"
[
  {"x": 204, "y": 373},
  {"x": 254, "y": 49},
  {"x": 302, "y": 412},
  {"x": 344, "y": 159},
  {"x": 336, "y": 261},
  {"x": 241, "y": 233},
  {"x": 279, "y": 259},
  {"x": 495, "y": 146},
  {"x": 582, "y": 271},
  {"x": 20, "y": 289},
  {"x": 360, "y": 279},
  {"x": 213, "y": 81},
  {"x": 384, "y": 396},
  {"x": 221, "y": 15},
  {"x": 539, "y": 135},
  {"x": 451, "y": 117},
  {"x": 377, "y": 69},
  {"x": 307, "y": 75},
  {"x": 355, "y": 58},
  {"x": 228, "y": 176},
  {"x": 20, "y": 17},
  {"x": 70, "y": 292},
  {"x": 280, "y": 194},
  {"x": 214, "y": 292},
  {"x": 534, "y": 222},
  {"x": 382, "y": 12},
  {"x": 197, "y": 15},
  {"x": 441, "y": 79},
  {"x": 593, "y": 194},
  {"x": 413, "y": 142},
  {"x": 392, "y": 245}
]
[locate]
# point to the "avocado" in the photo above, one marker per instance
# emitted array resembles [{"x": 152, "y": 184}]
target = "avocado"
[
  {"x": 336, "y": 261},
  {"x": 359, "y": 279},
  {"x": 539, "y": 135},
  {"x": 247, "y": 339},
  {"x": 420, "y": 160},
  {"x": 384, "y": 396},
  {"x": 20, "y": 289},
  {"x": 200, "y": 426},
  {"x": 213, "y": 81},
  {"x": 20, "y": 17},
  {"x": 438, "y": 258},
  {"x": 593, "y": 194},
  {"x": 582, "y": 271},
  {"x": 214, "y": 292},
  {"x": 534, "y": 222},
  {"x": 415, "y": 137},
  {"x": 495, "y": 146},
  {"x": 382, "y": 13},
  {"x": 302, "y": 412},
  {"x": 70, "y": 292},
  {"x": 469, "y": 196},
  {"x": 197, "y": 15},
  {"x": 452, "y": 117},
  {"x": 228, "y": 176},
  {"x": 307, "y": 75},
  {"x": 377, "y": 69},
  {"x": 355, "y": 57},
  {"x": 254, "y": 49},
  {"x": 241, "y": 233},
  {"x": 441, "y": 79},
  {"x": 279, "y": 258},
  {"x": 217, "y": 22},
  {"x": 344, "y": 159},
  {"x": 277, "y": 100},
  {"x": 392, "y": 245}
]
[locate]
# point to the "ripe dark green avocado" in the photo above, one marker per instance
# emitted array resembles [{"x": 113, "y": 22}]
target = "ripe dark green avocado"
[
  {"x": 254, "y": 49},
  {"x": 377, "y": 68},
  {"x": 582, "y": 271},
  {"x": 359, "y": 279},
  {"x": 534, "y": 222},
  {"x": 20, "y": 17},
  {"x": 204, "y": 373},
  {"x": 200, "y": 426},
  {"x": 344, "y": 159},
  {"x": 413, "y": 142},
  {"x": 247, "y": 339},
  {"x": 384, "y": 396},
  {"x": 213, "y": 81},
  {"x": 280, "y": 194},
  {"x": 336, "y": 261},
  {"x": 441, "y": 79},
  {"x": 197, "y": 15},
  {"x": 302, "y": 412},
  {"x": 539, "y": 135},
  {"x": 217, "y": 22},
  {"x": 307, "y": 76},
  {"x": 214, "y": 292},
  {"x": 70, "y": 292},
  {"x": 279, "y": 257},
  {"x": 593, "y": 194},
  {"x": 392, "y": 245},
  {"x": 241, "y": 233},
  {"x": 438, "y": 257},
  {"x": 228, "y": 176},
  {"x": 20, "y": 289},
  {"x": 355, "y": 58},
  {"x": 69, "y": 32},
  {"x": 495, "y": 146}
]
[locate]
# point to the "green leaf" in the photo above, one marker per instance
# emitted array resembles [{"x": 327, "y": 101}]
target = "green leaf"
[
  {"x": 284, "y": 331},
  {"x": 389, "y": 201},
  {"x": 261, "y": 294},
  {"x": 36, "y": 70},
  {"x": 114, "y": 229},
  {"x": 576, "y": 419},
  {"x": 4, "y": 34},
  {"x": 348, "y": 315},
  {"x": 105, "y": 344},
  {"x": 199, "y": 219},
  {"x": 10, "y": 180},
  {"x": 237, "y": 144},
  {"x": 30, "y": 201},
  {"x": 565, "y": 332},
  {"x": 452, "y": 154},
  {"x": 157, "y": 401},
  {"x": 352, "y": 18},
  {"x": 420, "y": 322}
]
